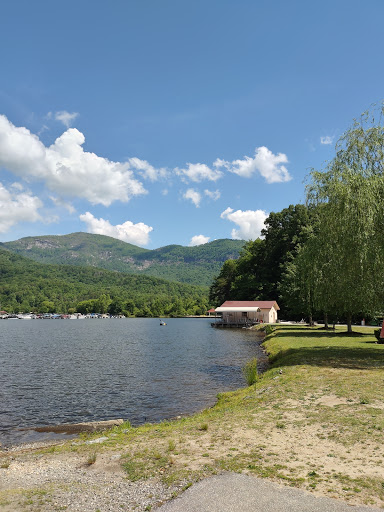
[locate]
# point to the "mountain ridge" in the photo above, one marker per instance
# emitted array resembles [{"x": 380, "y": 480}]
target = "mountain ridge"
[{"x": 196, "y": 265}]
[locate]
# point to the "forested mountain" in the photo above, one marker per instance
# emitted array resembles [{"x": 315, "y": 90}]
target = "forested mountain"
[
  {"x": 26, "y": 285},
  {"x": 194, "y": 265}
]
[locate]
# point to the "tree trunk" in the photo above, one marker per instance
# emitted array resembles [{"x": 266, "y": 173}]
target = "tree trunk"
[
  {"x": 326, "y": 326},
  {"x": 310, "y": 319},
  {"x": 349, "y": 323}
]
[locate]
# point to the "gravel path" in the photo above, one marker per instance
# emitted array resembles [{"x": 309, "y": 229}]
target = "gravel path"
[{"x": 67, "y": 482}]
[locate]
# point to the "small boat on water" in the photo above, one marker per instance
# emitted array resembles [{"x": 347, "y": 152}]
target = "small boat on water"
[{"x": 162, "y": 322}]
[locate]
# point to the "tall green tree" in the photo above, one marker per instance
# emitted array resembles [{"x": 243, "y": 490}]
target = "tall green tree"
[
  {"x": 284, "y": 233},
  {"x": 351, "y": 193},
  {"x": 249, "y": 280},
  {"x": 221, "y": 287}
]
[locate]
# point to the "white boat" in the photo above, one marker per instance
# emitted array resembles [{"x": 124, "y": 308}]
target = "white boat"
[{"x": 162, "y": 322}]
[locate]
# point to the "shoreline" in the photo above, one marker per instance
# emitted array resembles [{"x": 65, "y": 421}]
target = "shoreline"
[{"x": 319, "y": 389}]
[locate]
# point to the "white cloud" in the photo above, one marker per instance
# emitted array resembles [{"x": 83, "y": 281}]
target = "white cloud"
[
  {"x": 58, "y": 201},
  {"x": 268, "y": 165},
  {"x": 16, "y": 206},
  {"x": 194, "y": 196},
  {"x": 198, "y": 240},
  {"x": 17, "y": 186},
  {"x": 198, "y": 172},
  {"x": 213, "y": 194},
  {"x": 147, "y": 170},
  {"x": 137, "y": 234},
  {"x": 250, "y": 223},
  {"x": 326, "y": 140},
  {"x": 66, "y": 117},
  {"x": 65, "y": 167},
  {"x": 219, "y": 162},
  {"x": 50, "y": 219}
]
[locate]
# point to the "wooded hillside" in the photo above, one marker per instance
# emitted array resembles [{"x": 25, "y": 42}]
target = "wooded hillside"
[
  {"x": 26, "y": 286},
  {"x": 194, "y": 265}
]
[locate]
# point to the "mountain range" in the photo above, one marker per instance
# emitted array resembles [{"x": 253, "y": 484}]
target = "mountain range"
[{"x": 193, "y": 265}]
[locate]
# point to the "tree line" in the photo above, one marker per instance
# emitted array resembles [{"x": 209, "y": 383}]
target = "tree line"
[{"x": 323, "y": 259}]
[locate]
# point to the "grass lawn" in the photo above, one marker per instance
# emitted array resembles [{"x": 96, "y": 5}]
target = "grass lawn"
[{"x": 314, "y": 420}]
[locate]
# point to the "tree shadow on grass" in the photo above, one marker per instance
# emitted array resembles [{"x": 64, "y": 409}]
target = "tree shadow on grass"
[
  {"x": 359, "y": 358},
  {"x": 322, "y": 333}
]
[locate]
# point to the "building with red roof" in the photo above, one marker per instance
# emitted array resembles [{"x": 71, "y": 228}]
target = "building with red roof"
[{"x": 248, "y": 311}]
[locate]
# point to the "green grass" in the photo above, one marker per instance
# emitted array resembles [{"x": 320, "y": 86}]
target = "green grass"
[{"x": 250, "y": 371}]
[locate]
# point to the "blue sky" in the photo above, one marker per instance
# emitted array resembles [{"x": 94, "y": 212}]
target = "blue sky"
[{"x": 175, "y": 121}]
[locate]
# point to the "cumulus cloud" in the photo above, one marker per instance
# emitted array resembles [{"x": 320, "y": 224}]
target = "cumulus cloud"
[
  {"x": 268, "y": 165},
  {"x": 213, "y": 194},
  {"x": 326, "y": 140},
  {"x": 198, "y": 240},
  {"x": 17, "y": 206},
  {"x": 194, "y": 196},
  {"x": 250, "y": 223},
  {"x": 66, "y": 117},
  {"x": 65, "y": 167},
  {"x": 147, "y": 170},
  {"x": 137, "y": 234},
  {"x": 58, "y": 201},
  {"x": 198, "y": 173}
]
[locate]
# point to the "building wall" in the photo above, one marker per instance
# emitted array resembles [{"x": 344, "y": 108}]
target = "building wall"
[
  {"x": 268, "y": 316},
  {"x": 239, "y": 318}
]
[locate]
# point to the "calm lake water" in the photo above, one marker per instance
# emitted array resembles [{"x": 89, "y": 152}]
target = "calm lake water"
[{"x": 67, "y": 371}]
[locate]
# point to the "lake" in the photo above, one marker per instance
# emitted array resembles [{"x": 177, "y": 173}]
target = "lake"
[{"x": 68, "y": 371}]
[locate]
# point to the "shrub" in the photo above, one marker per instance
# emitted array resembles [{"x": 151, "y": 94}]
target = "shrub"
[
  {"x": 250, "y": 371},
  {"x": 268, "y": 329},
  {"x": 91, "y": 459}
]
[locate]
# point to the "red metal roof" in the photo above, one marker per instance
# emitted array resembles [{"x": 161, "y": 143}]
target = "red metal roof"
[
  {"x": 212, "y": 310},
  {"x": 262, "y": 304}
]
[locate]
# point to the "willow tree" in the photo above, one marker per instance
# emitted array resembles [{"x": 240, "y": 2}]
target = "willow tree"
[{"x": 350, "y": 238}]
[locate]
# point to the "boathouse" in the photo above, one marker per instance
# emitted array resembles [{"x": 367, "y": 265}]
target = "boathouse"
[{"x": 238, "y": 313}]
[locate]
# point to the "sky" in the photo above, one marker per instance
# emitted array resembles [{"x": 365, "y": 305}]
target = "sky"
[{"x": 175, "y": 121}]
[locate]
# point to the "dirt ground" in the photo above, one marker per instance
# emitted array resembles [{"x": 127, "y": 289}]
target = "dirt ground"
[{"x": 292, "y": 450}]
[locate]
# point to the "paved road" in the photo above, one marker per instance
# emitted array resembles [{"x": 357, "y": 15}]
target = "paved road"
[{"x": 232, "y": 492}]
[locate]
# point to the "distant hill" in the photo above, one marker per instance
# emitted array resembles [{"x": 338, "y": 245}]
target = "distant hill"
[
  {"x": 193, "y": 265},
  {"x": 26, "y": 285}
]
